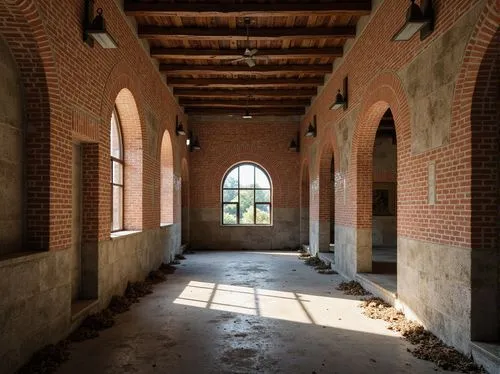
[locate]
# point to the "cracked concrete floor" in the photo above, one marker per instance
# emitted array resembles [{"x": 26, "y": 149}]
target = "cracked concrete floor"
[{"x": 246, "y": 312}]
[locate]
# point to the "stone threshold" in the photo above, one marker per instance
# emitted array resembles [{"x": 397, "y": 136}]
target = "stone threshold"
[
  {"x": 487, "y": 355},
  {"x": 379, "y": 285}
]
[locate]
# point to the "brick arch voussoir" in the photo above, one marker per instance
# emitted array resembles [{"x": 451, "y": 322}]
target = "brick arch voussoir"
[
  {"x": 121, "y": 77},
  {"x": 43, "y": 108},
  {"x": 384, "y": 92}
]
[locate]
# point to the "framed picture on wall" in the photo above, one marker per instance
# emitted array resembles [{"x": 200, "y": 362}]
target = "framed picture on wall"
[{"x": 384, "y": 199}]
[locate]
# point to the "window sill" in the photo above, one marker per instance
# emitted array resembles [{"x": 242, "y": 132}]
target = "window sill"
[
  {"x": 166, "y": 224},
  {"x": 20, "y": 257},
  {"x": 223, "y": 225},
  {"x": 121, "y": 234}
]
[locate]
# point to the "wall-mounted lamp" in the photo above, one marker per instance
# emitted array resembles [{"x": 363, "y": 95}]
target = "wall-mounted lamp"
[
  {"x": 417, "y": 20},
  {"x": 341, "y": 100},
  {"x": 179, "y": 129},
  {"x": 192, "y": 142},
  {"x": 96, "y": 29},
  {"x": 311, "y": 130},
  {"x": 295, "y": 144},
  {"x": 247, "y": 114}
]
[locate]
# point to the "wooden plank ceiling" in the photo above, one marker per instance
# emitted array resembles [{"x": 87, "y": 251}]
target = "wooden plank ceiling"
[{"x": 197, "y": 42}]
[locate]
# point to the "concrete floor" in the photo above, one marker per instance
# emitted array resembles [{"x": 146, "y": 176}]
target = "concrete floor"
[{"x": 246, "y": 312}]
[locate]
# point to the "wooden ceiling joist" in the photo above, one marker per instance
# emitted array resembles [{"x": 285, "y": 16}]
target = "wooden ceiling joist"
[
  {"x": 241, "y": 111},
  {"x": 159, "y": 9},
  {"x": 229, "y": 54},
  {"x": 242, "y": 103},
  {"x": 218, "y": 34},
  {"x": 244, "y": 69},
  {"x": 253, "y": 82},
  {"x": 257, "y": 93}
]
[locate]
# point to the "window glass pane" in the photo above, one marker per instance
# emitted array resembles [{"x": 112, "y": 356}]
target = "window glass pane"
[
  {"x": 229, "y": 214},
  {"x": 263, "y": 214},
  {"x": 246, "y": 207},
  {"x": 230, "y": 196},
  {"x": 263, "y": 196},
  {"x": 117, "y": 172},
  {"x": 261, "y": 180},
  {"x": 247, "y": 176},
  {"x": 117, "y": 208},
  {"x": 232, "y": 179},
  {"x": 116, "y": 143}
]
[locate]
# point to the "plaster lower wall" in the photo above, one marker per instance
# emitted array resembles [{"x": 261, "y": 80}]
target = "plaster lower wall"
[
  {"x": 208, "y": 233},
  {"x": 35, "y": 290},
  {"x": 434, "y": 283}
]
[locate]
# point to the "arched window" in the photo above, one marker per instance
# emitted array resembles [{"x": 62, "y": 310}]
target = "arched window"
[
  {"x": 116, "y": 149},
  {"x": 246, "y": 196}
]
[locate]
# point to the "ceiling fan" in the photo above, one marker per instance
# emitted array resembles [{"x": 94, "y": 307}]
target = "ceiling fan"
[{"x": 249, "y": 54}]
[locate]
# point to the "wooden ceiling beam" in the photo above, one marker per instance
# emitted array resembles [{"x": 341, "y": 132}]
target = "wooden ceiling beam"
[
  {"x": 338, "y": 8},
  {"x": 246, "y": 70},
  {"x": 257, "y": 93},
  {"x": 242, "y": 103},
  {"x": 241, "y": 111},
  {"x": 289, "y": 33},
  {"x": 229, "y": 54},
  {"x": 249, "y": 82}
]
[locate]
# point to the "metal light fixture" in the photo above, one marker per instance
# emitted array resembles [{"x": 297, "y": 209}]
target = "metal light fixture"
[
  {"x": 179, "y": 129},
  {"x": 340, "y": 100},
  {"x": 247, "y": 114},
  {"x": 195, "y": 145},
  {"x": 295, "y": 145},
  {"x": 192, "y": 142},
  {"x": 417, "y": 20},
  {"x": 95, "y": 30},
  {"x": 311, "y": 130}
]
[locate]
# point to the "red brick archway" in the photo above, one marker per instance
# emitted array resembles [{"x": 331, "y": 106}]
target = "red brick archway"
[
  {"x": 384, "y": 92},
  {"x": 23, "y": 30},
  {"x": 475, "y": 112},
  {"x": 305, "y": 180},
  {"x": 328, "y": 164}
]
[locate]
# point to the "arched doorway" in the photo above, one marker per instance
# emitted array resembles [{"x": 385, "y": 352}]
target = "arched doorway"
[
  {"x": 326, "y": 200},
  {"x": 185, "y": 202},
  {"x": 384, "y": 197},
  {"x": 485, "y": 197},
  {"x": 304, "y": 205}
]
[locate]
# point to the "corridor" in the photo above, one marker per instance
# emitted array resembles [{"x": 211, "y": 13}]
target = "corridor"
[{"x": 245, "y": 312}]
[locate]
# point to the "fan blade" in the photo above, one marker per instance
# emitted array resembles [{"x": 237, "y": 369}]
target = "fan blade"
[
  {"x": 253, "y": 52},
  {"x": 247, "y": 53},
  {"x": 250, "y": 62},
  {"x": 238, "y": 60}
]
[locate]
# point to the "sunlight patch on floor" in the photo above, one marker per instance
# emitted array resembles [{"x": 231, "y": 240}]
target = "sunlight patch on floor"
[{"x": 284, "y": 305}]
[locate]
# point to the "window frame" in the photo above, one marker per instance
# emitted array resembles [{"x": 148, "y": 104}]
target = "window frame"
[
  {"x": 238, "y": 189},
  {"x": 121, "y": 162}
]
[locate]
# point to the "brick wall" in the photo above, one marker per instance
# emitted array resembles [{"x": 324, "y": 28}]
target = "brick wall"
[
  {"x": 226, "y": 141},
  {"x": 70, "y": 90}
]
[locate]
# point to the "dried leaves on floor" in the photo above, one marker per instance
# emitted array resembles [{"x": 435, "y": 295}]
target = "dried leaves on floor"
[
  {"x": 428, "y": 346},
  {"x": 47, "y": 359},
  {"x": 313, "y": 261},
  {"x": 50, "y": 357},
  {"x": 179, "y": 257},
  {"x": 352, "y": 288}
]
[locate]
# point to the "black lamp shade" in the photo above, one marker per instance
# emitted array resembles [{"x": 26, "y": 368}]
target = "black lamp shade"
[
  {"x": 311, "y": 132},
  {"x": 98, "y": 31},
  {"x": 339, "y": 101},
  {"x": 180, "y": 130},
  {"x": 195, "y": 145},
  {"x": 247, "y": 115},
  {"x": 293, "y": 146},
  {"x": 415, "y": 20}
]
